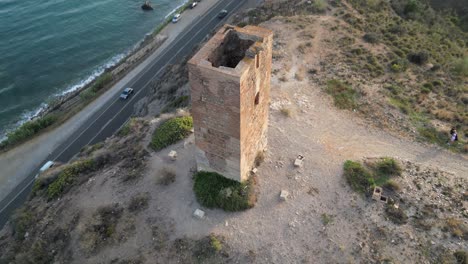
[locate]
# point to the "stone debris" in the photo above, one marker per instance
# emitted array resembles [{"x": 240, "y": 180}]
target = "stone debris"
[
  {"x": 299, "y": 161},
  {"x": 284, "y": 195},
  {"x": 173, "y": 155},
  {"x": 377, "y": 193},
  {"x": 199, "y": 214}
]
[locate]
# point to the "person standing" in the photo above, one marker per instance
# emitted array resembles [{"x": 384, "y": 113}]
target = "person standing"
[{"x": 453, "y": 136}]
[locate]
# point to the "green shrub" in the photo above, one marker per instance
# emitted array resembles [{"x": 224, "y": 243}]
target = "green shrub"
[
  {"x": 372, "y": 38},
  {"x": 88, "y": 94},
  {"x": 67, "y": 177},
  {"x": 320, "y": 5},
  {"x": 419, "y": 58},
  {"x": 216, "y": 244},
  {"x": 343, "y": 95},
  {"x": 399, "y": 65},
  {"x": 396, "y": 215},
  {"x": 213, "y": 190},
  {"x": 461, "y": 257},
  {"x": 430, "y": 134},
  {"x": 358, "y": 177},
  {"x": 327, "y": 219},
  {"x": 461, "y": 67},
  {"x": 171, "y": 131},
  {"x": 388, "y": 166},
  {"x": 394, "y": 89},
  {"x": 102, "y": 80},
  {"x": 181, "y": 101},
  {"x": 21, "y": 222},
  {"x": 27, "y": 130},
  {"x": 138, "y": 202}
]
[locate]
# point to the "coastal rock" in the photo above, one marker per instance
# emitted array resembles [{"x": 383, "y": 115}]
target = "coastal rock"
[{"x": 147, "y": 6}]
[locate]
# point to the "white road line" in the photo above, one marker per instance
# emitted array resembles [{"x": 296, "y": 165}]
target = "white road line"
[
  {"x": 162, "y": 68},
  {"x": 161, "y": 55},
  {"x": 128, "y": 84}
]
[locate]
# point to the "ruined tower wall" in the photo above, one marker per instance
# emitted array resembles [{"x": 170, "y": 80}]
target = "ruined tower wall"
[
  {"x": 230, "y": 88},
  {"x": 255, "y": 101},
  {"x": 216, "y": 115}
]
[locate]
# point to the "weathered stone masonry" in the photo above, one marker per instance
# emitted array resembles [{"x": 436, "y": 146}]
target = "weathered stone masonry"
[{"x": 230, "y": 90}]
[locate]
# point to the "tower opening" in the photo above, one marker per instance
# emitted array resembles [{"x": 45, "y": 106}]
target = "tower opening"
[{"x": 231, "y": 51}]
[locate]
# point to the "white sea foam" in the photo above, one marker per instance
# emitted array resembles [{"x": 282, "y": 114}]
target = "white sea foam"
[
  {"x": 175, "y": 9},
  {"x": 27, "y": 116}
]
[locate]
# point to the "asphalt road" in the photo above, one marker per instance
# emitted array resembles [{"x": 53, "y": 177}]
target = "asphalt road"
[{"x": 114, "y": 113}]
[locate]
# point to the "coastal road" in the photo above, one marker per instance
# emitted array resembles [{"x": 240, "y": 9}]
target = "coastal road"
[{"x": 114, "y": 113}]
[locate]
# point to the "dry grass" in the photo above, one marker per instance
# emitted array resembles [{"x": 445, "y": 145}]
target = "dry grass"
[
  {"x": 287, "y": 112},
  {"x": 167, "y": 176}
]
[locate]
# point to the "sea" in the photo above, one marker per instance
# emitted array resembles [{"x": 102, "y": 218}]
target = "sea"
[{"x": 51, "y": 47}]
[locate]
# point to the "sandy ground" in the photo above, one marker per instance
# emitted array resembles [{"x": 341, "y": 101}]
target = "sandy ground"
[{"x": 293, "y": 231}]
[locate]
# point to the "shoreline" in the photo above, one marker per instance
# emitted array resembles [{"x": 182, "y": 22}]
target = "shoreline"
[{"x": 70, "y": 92}]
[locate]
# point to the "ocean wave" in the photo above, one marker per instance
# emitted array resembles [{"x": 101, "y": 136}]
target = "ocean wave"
[
  {"x": 29, "y": 115},
  {"x": 6, "y": 89},
  {"x": 175, "y": 9}
]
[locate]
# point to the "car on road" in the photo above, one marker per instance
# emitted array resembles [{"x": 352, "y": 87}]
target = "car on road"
[
  {"x": 176, "y": 18},
  {"x": 194, "y": 4},
  {"x": 45, "y": 167},
  {"x": 223, "y": 13},
  {"x": 126, "y": 93}
]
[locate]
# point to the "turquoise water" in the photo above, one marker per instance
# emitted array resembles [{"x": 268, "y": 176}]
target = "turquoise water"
[{"x": 49, "y": 47}]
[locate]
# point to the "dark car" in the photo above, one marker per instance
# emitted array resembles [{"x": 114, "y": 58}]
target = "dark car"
[
  {"x": 223, "y": 13},
  {"x": 126, "y": 93}
]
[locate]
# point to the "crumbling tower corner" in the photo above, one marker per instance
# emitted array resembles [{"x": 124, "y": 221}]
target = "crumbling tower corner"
[{"x": 230, "y": 90}]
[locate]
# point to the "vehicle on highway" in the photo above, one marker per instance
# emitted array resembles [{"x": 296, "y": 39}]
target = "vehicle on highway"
[
  {"x": 194, "y": 4},
  {"x": 176, "y": 18},
  {"x": 223, "y": 13},
  {"x": 126, "y": 93},
  {"x": 45, "y": 167}
]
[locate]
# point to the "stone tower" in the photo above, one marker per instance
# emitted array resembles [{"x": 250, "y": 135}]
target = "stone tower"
[{"x": 230, "y": 90}]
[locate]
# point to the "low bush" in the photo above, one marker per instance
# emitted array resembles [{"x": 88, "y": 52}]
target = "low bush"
[
  {"x": 208, "y": 249},
  {"x": 461, "y": 67},
  {"x": 456, "y": 227},
  {"x": 67, "y": 177},
  {"x": 396, "y": 215},
  {"x": 358, "y": 177},
  {"x": 171, "y": 131},
  {"x": 327, "y": 219},
  {"x": 320, "y": 5},
  {"x": 259, "y": 159},
  {"x": 22, "y": 220},
  {"x": 392, "y": 185},
  {"x": 138, "y": 202},
  {"x": 213, "y": 190},
  {"x": 372, "y": 38},
  {"x": 430, "y": 134},
  {"x": 181, "y": 101},
  {"x": 27, "y": 130},
  {"x": 388, "y": 166},
  {"x": 399, "y": 65},
  {"x": 461, "y": 257},
  {"x": 102, "y": 229},
  {"x": 343, "y": 95},
  {"x": 419, "y": 58},
  {"x": 168, "y": 176}
]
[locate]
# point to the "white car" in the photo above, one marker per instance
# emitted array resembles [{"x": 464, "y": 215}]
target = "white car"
[
  {"x": 45, "y": 167},
  {"x": 194, "y": 4},
  {"x": 126, "y": 93},
  {"x": 176, "y": 18}
]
